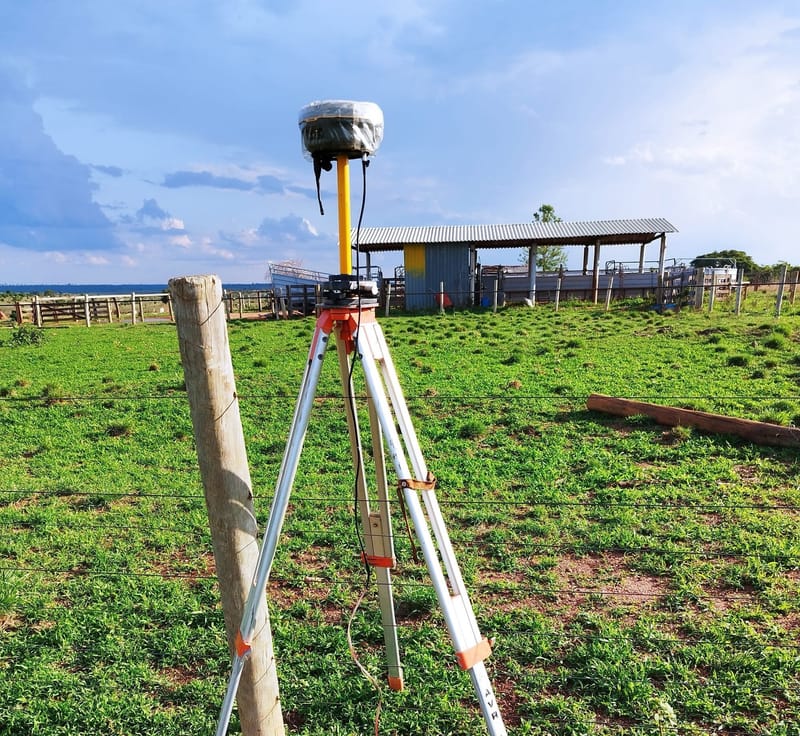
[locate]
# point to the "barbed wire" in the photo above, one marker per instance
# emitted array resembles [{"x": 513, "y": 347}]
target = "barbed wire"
[
  {"x": 444, "y": 500},
  {"x": 179, "y": 394}
]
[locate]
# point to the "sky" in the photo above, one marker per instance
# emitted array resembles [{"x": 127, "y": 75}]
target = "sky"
[{"x": 145, "y": 140}]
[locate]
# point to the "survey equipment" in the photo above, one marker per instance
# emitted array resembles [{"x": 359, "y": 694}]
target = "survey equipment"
[{"x": 337, "y": 132}]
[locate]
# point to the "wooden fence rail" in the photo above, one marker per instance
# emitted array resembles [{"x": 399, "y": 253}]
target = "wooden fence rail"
[
  {"x": 300, "y": 300},
  {"x": 88, "y": 308}
]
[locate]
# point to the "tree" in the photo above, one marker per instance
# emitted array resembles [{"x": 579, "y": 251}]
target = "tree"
[
  {"x": 548, "y": 257},
  {"x": 756, "y": 273},
  {"x": 720, "y": 258}
]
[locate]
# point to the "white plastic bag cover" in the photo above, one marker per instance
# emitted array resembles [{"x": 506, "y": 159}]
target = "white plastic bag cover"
[{"x": 341, "y": 127}]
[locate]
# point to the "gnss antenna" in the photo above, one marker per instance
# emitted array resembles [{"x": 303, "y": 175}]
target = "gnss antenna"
[{"x": 338, "y": 131}]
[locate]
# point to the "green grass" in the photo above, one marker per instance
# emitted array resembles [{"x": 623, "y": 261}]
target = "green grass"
[{"x": 637, "y": 580}]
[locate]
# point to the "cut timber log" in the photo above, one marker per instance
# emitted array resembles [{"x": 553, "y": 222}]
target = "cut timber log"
[{"x": 760, "y": 433}]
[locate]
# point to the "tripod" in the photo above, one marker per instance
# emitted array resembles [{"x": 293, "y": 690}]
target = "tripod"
[{"x": 348, "y": 317}]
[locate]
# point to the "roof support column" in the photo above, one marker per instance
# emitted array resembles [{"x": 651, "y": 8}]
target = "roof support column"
[
  {"x": 473, "y": 272},
  {"x": 532, "y": 253},
  {"x": 585, "y": 259},
  {"x": 661, "y": 252},
  {"x": 595, "y": 272},
  {"x": 641, "y": 257}
]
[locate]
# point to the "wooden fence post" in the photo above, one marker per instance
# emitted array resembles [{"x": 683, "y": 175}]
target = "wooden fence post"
[
  {"x": 388, "y": 297},
  {"x": 86, "y": 313},
  {"x": 781, "y": 287},
  {"x": 558, "y": 292},
  {"x": 205, "y": 354},
  {"x": 739, "y": 291},
  {"x": 713, "y": 293},
  {"x": 793, "y": 287},
  {"x": 699, "y": 288},
  {"x": 609, "y": 288},
  {"x": 133, "y": 308}
]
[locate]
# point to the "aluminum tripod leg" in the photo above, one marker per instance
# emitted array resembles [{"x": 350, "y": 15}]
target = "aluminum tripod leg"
[
  {"x": 471, "y": 648},
  {"x": 277, "y": 515},
  {"x": 378, "y": 540}
]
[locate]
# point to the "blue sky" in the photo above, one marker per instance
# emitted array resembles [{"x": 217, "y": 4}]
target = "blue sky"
[{"x": 141, "y": 141}]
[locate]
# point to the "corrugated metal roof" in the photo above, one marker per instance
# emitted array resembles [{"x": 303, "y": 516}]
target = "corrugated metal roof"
[{"x": 606, "y": 232}]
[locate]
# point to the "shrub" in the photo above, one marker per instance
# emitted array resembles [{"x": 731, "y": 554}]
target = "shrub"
[
  {"x": 471, "y": 430},
  {"x": 740, "y": 360},
  {"x": 118, "y": 430},
  {"x": 26, "y": 335},
  {"x": 776, "y": 342}
]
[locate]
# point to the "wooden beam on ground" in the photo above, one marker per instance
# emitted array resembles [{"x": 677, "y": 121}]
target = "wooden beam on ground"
[{"x": 759, "y": 433}]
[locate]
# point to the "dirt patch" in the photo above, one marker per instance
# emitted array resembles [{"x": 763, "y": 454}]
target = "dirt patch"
[
  {"x": 20, "y": 502},
  {"x": 312, "y": 590},
  {"x": 508, "y": 700},
  {"x": 790, "y": 622},
  {"x": 596, "y": 582},
  {"x": 608, "y": 577},
  {"x": 179, "y": 676},
  {"x": 747, "y": 473},
  {"x": 181, "y": 564},
  {"x": 10, "y": 622}
]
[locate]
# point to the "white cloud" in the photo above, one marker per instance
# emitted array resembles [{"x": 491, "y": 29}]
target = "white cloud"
[
  {"x": 95, "y": 260},
  {"x": 181, "y": 241}
]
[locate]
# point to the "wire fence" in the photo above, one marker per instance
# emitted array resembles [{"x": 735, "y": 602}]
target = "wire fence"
[{"x": 620, "y": 573}]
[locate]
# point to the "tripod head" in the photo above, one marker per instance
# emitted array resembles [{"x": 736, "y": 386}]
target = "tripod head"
[{"x": 341, "y": 130}]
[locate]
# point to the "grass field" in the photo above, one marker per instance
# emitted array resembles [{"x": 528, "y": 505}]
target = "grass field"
[{"x": 638, "y": 580}]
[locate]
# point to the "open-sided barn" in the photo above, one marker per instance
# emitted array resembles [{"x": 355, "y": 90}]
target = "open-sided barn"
[{"x": 448, "y": 254}]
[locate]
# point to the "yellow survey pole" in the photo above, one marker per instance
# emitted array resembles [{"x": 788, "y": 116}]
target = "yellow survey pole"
[{"x": 343, "y": 185}]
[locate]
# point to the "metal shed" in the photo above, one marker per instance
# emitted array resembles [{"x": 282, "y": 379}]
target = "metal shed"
[{"x": 448, "y": 253}]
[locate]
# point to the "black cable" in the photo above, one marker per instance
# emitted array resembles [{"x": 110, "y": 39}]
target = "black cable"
[{"x": 350, "y": 395}]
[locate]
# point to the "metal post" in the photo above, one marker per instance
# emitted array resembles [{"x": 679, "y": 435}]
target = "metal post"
[
  {"x": 343, "y": 184},
  {"x": 473, "y": 273},
  {"x": 558, "y": 291},
  {"x": 388, "y": 297},
  {"x": 661, "y": 253},
  {"x": 596, "y": 273},
  {"x": 494, "y": 298},
  {"x": 608, "y": 290},
  {"x": 532, "y": 255},
  {"x": 441, "y": 297},
  {"x": 133, "y": 308}
]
